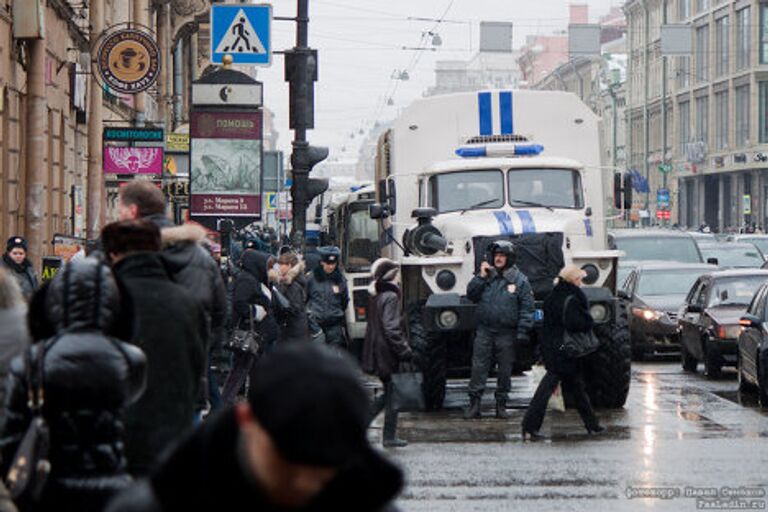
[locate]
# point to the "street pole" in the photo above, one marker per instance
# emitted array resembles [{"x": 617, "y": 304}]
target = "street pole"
[
  {"x": 36, "y": 144},
  {"x": 140, "y": 19},
  {"x": 300, "y": 145},
  {"x": 96, "y": 201}
]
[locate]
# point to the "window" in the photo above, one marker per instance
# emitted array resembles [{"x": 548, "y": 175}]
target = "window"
[
  {"x": 722, "y": 31},
  {"x": 701, "y": 6},
  {"x": 466, "y": 190},
  {"x": 362, "y": 233},
  {"x": 743, "y": 38},
  {"x": 702, "y": 119},
  {"x": 721, "y": 120},
  {"x": 683, "y": 72},
  {"x": 558, "y": 188},
  {"x": 763, "y": 113},
  {"x": 683, "y": 9},
  {"x": 763, "y": 33},
  {"x": 702, "y": 53},
  {"x": 742, "y": 116},
  {"x": 684, "y": 126}
]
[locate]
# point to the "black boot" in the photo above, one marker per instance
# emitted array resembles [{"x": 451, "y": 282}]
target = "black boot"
[
  {"x": 501, "y": 409},
  {"x": 473, "y": 411}
]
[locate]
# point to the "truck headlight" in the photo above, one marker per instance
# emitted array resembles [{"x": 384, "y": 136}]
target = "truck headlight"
[
  {"x": 447, "y": 319},
  {"x": 599, "y": 312},
  {"x": 446, "y": 280},
  {"x": 593, "y": 274}
]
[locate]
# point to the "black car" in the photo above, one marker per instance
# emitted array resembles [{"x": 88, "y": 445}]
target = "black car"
[
  {"x": 655, "y": 245},
  {"x": 709, "y": 319},
  {"x": 753, "y": 347},
  {"x": 733, "y": 254},
  {"x": 656, "y": 292}
]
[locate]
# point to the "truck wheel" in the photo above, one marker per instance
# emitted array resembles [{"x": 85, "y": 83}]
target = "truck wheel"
[
  {"x": 431, "y": 358},
  {"x": 609, "y": 370}
]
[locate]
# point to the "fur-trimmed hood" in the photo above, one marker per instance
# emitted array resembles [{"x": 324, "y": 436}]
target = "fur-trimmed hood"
[
  {"x": 186, "y": 233},
  {"x": 295, "y": 273}
]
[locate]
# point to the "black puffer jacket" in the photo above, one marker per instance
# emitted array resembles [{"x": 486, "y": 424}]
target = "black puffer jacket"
[
  {"x": 504, "y": 301},
  {"x": 24, "y": 274},
  {"x": 385, "y": 342},
  {"x": 89, "y": 380},
  {"x": 294, "y": 322},
  {"x": 577, "y": 319},
  {"x": 251, "y": 289}
]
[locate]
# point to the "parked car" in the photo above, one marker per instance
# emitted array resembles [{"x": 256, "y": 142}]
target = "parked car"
[
  {"x": 655, "y": 245},
  {"x": 759, "y": 241},
  {"x": 753, "y": 347},
  {"x": 732, "y": 254},
  {"x": 656, "y": 292},
  {"x": 702, "y": 237},
  {"x": 709, "y": 319}
]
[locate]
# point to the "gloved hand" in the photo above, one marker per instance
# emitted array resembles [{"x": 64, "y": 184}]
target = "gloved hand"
[{"x": 259, "y": 313}]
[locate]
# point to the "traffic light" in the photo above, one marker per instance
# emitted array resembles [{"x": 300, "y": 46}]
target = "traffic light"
[
  {"x": 315, "y": 187},
  {"x": 305, "y": 157},
  {"x": 622, "y": 191},
  {"x": 301, "y": 73}
]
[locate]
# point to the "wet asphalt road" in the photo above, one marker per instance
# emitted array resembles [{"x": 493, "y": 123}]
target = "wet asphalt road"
[{"x": 679, "y": 436}]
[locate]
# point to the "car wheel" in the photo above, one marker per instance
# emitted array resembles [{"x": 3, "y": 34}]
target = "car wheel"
[
  {"x": 744, "y": 385},
  {"x": 689, "y": 362},
  {"x": 762, "y": 386}
]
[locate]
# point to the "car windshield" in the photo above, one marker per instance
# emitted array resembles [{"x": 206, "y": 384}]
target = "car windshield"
[
  {"x": 466, "y": 190},
  {"x": 735, "y": 290},
  {"x": 759, "y": 242},
  {"x": 667, "y": 281},
  {"x": 622, "y": 274},
  {"x": 556, "y": 188},
  {"x": 363, "y": 241},
  {"x": 647, "y": 248},
  {"x": 733, "y": 256}
]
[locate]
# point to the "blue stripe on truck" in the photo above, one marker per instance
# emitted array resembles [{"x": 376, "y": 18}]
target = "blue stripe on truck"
[
  {"x": 505, "y": 112},
  {"x": 505, "y": 223},
  {"x": 484, "y": 110},
  {"x": 528, "y": 225}
]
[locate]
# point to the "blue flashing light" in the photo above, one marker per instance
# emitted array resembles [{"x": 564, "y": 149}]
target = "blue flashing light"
[
  {"x": 471, "y": 152},
  {"x": 528, "y": 149}
]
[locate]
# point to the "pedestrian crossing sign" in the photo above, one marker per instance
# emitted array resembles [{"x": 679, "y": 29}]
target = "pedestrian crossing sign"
[
  {"x": 243, "y": 31},
  {"x": 271, "y": 201}
]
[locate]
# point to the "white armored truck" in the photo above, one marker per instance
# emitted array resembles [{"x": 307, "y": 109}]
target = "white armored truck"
[{"x": 458, "y": 172}]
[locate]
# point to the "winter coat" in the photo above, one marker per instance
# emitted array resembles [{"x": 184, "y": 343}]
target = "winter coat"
[
  {"x": 203, "y": 473},
  {"x": 14, "y": 338},
  {"x": 327, "y": 297},
  {"x": 312, "y": 259},
  {"x": 189, "y": 264},
  {"x": 167, "y": 326},
  {"x": 504, "y": 301},
  {"x": 89, "y": 380},
  {"x": 252, "y": 289},
  {"x": 24, "y": 274},
  {"x": 293, "y": 320},
  {"x": 577, "y": 319},
  {"x": 385, "y": 342}
]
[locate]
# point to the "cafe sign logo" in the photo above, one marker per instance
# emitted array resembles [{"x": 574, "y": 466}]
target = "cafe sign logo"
[{"x": 128, "y": 61}]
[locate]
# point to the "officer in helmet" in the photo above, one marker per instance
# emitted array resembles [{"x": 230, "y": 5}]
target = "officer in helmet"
[{"x": 505, "y": 311}]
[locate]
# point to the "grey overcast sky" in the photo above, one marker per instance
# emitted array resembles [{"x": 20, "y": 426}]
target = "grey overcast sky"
[{"x": 360, "y": 46}]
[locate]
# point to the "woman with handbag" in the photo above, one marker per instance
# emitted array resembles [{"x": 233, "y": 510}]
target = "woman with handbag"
[
  {"x": 252, "y": 310},
  {"x": 566, "y": 311},
  {"x": 67, "y": 396},
  {"x": 385, "y": 345}
]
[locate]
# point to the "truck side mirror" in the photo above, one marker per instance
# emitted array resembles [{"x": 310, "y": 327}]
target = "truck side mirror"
[
  {"x": 627, "y": 191},
  {"x": 391, "y": 197},
  {"x": 378, "y": 211}
]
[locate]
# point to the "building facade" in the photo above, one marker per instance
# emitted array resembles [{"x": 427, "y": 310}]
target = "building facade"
[{"x": 708, "y": 138}]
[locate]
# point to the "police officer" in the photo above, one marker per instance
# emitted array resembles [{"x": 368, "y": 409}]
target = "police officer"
[
  {"x": 328, "y": 297},
  {"x": 505, "y": 311}
]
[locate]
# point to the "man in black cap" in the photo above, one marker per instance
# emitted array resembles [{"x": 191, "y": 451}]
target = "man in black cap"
[
  {"x": 328, "y": 297},
  {"x": 15, "y": 260},
  {"x": 298, "y": 443}
]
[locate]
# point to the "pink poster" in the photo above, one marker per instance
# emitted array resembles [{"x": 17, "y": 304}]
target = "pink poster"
[{"x": 122, "y": 160}]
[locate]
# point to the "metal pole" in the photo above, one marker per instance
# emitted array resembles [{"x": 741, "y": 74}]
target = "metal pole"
[
  {"x": 36, "y": 144},
  {"x": 140, "y": 18},
  {"x": 646, "y": 116},
  {"x": 664, "y": 126},
  {"x": 300, "y": 145},
  {"x": 165, "y": 61},
  {"x": 96, "y": 201}
]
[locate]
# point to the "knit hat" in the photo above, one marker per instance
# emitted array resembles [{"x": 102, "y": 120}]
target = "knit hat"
[
  {"x": 384, "y": 269},
  {"x": 14, "y": 242}
]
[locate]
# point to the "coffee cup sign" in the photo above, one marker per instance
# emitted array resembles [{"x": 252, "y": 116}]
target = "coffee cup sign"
[{"x": 128, "y": 61}]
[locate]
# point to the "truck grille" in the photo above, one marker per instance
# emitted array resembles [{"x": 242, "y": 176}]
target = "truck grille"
[{"x": 361, "y": 281}]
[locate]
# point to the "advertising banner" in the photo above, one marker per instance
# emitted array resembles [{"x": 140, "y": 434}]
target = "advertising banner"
[
  {"x": 225, "y": 171},
  {"x": 123, "y": 160}
]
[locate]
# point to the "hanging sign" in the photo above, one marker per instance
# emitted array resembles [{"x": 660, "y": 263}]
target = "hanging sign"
[{"x": 128, "y": 61}]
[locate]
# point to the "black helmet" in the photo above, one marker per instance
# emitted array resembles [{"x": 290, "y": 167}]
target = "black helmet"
[{"x": 504, "y": 247}]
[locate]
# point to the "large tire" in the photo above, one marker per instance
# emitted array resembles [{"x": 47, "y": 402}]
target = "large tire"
[
  {"x": 430, "y": 357},
  {"x": 609, "y": 370}
]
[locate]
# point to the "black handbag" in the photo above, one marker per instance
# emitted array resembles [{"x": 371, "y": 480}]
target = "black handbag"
[
  {"x": 407, "y": 391},
  {"x": 577, "y": 344},
  {"x": 30, "y": 468},
  {"x": 245, "y": 341}
]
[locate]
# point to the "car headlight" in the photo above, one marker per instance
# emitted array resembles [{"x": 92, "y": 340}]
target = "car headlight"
[
  {"x": 599, "y": 312},
  {"x": 646, "y": 314},
  {"x": 447, "y": 319}
]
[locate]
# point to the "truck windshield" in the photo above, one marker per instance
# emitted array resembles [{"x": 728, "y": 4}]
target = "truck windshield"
[
  {"x": 362, "y": 241},
  {"x": 466, "y": 190},
  {"x": 556, "y": 188}
]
